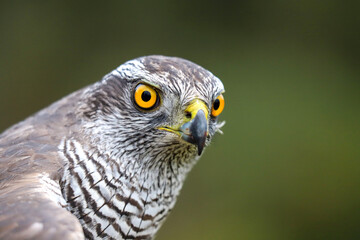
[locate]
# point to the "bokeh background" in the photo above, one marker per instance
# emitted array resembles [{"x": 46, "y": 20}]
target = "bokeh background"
[{"x": 288, "y": 165}]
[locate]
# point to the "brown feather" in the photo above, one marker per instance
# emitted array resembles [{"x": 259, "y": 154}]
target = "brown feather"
[{"x": 27, "y": 150}]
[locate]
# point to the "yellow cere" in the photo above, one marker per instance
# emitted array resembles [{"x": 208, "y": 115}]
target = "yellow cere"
[
  {"x": 195, "y": 106},
  {"x": 193, "y": 109}
]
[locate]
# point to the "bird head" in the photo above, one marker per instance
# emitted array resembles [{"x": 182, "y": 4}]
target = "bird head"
[{"x": 154, "y": 106}]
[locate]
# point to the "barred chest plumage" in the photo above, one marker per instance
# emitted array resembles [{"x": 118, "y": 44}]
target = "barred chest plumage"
[{"x": 116, "y": 199}]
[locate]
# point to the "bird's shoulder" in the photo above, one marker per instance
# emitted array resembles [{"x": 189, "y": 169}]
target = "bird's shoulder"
[
  {"x": 31, "y": 146},
  {"x": 31, "y": 203}
]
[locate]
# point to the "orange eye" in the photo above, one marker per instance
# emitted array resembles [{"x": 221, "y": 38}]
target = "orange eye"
[
  {"x": 145, "y": 97},
  {"x": 218, "y": 106}
]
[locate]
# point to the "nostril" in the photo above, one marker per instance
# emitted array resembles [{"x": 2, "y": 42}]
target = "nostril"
[{"x": 188, "y": 114}]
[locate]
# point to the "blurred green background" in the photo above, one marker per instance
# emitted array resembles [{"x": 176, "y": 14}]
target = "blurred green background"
[{"x": 288, "y": 165}]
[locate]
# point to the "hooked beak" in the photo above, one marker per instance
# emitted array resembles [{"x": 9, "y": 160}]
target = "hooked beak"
[{"x": 193, "y": 129}]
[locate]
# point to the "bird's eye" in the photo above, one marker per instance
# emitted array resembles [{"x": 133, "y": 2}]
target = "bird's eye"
[
  {"x": 146, "y": 97},
  {"x": 218, "y": 106}
]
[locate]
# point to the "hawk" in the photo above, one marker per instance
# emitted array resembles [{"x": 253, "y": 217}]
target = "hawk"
[{"x": 108, "y": 161}]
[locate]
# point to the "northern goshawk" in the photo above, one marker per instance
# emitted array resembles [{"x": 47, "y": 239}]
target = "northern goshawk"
[{"x": 109, "y": 160}]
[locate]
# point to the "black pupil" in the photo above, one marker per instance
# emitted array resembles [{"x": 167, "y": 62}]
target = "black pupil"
[
  {"x": 146, "y": 96},
  {"x": 216, "y": 104}
]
